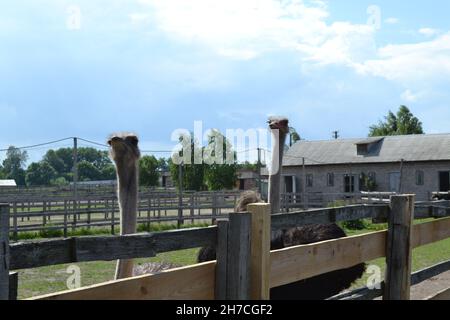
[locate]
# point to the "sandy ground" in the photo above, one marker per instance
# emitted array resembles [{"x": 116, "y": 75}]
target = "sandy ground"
[{"x": 431, "y": 287}]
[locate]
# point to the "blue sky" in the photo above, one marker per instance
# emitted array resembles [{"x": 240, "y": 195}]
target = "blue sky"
[{"x": 89, "y": 68}]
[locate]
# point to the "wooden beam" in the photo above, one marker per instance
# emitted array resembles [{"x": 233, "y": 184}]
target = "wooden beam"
[
  {"x": 443, "y": 295},
  {"x": 416, "y": 278},
  {"x": 431, "y": 232},
  {"x": 50, "y": 252},
  {"x": 260, "y": 251},
  {"x": 188, "y": 283},
  {"x": 4, "y": 251},
  {"x": 13, "y": 285},
  {"x": 328, "y": 215},
  {"x": 238, "y": 258},
  {"x": 306, "y": 261},
  {"x": 222, "y": 258},
  {"x": 399, "y": 248}
]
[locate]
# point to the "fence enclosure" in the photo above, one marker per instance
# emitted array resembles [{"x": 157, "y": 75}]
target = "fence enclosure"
[
  {"x": 245, "y": 266},
  {"x": 63, "y": 212}
]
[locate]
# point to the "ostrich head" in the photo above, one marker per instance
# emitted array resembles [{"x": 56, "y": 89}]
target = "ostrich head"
[
  {"x": 124, "y": 149},
  {"x": 279, "y": 123}
]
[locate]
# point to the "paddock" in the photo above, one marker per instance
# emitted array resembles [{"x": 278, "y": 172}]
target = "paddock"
[{"x": 245, "y": 266}]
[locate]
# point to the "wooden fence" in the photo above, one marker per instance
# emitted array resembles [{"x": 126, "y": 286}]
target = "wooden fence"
[
  {"x": 63, "y": 212},
  {"x": 245, "y": 266},
  {"x": 67, "y": 213}
]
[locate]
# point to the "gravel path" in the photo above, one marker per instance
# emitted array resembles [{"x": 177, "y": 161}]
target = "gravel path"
[{"x": 431, "y": 287}]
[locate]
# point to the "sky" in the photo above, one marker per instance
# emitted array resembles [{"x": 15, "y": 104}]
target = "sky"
[{"x": 89, "y": 68}]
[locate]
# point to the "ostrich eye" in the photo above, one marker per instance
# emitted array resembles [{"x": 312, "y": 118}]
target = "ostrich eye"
[{"x": 133, "y": 140}]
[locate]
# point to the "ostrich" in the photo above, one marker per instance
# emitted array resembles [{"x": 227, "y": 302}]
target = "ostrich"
[
  {"x": 124, "y": 151},
  {"x": 316, "y": 288}
]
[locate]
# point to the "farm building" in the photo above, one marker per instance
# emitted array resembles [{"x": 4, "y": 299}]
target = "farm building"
[
  {"x": 7, "y": 184},
  {"x": 247, "y": 179},
  {"x": 418, "y": 164}
]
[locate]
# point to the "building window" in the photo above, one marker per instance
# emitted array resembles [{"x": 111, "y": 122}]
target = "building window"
[
  {"x": 309, "y": 180},
  {"x": 330, "y": 179},
  {"x": 420, "y": 181},
  {"x": 372, "y": 177},
  {"x": 349, "y": 183}
]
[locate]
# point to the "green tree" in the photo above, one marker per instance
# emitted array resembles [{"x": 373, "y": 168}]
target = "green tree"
[
  {"x": 87, "y": 171},
  {"x": 193, "y": 172},
  {"x": 108, "y": 172},
  {"x": 221, "y": 163},
  {"x": 13, "y": 165},
  {"x": 148, "y": 171},
  {"x": 40, "y": 174},
  {"x": 402, "y": 123},
  {"x": 293, "y": 136},
  {"x": 53, "y": 159}
]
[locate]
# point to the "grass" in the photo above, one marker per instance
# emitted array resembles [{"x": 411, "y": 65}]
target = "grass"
[
  {"x": 53, "y": 233},
  {"x": 50, "y": 279},
  {"x": 33, "y": 282}
]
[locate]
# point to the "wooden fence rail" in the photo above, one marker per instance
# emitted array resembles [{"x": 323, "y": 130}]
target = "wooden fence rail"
[{"x": 240, "y": 242}]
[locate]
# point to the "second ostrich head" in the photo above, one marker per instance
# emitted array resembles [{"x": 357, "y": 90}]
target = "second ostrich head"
[{"x": 279, "y": 127}]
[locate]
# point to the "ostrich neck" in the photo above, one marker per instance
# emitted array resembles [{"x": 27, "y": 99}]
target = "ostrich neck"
[
  {"x": 127, "y": 193},
  {"x": 275, "y": 175}
]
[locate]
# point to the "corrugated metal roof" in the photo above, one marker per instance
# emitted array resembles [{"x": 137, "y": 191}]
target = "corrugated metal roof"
[
  {"x": 433, "y": 147},
  {"x": 7, "y": 183}
]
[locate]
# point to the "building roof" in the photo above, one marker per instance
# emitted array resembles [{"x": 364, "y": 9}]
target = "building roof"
[
  {"x": 433, "y": 147},
  {"x": 7, "y": 183}
]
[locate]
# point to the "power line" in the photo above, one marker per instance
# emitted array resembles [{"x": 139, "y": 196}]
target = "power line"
[
  {"x": 37, "y": 145},
  {"x": 93, "y": 142}
]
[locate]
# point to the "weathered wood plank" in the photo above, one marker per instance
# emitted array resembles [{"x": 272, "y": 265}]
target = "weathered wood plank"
[
  {"x": 306, "y": 261},
  {"x": 238, "y": 257},
  {"x": 399, "y": 248},
  {"x": 443, "y": 295},
  {"x": 50, "y": 252},
  {"x": 260, "y": 251},
  {"x": 13, "y": 285},
  {"x": 328, "y": 215},
  {"x": 430, "y": 232},
  {"x": 222, "y": 257},
  {"x": 4, "y": 252},
  {"x": 188, "y": 283}
]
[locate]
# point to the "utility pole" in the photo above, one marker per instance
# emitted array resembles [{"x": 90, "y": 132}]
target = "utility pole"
[
  {"x": 258, "y": 167},
  {"x": 75, "y": 166},
  {"x": 304, "y": 200},
  {"x": 180, "y": 194},
  {"x": 75, "y": 176}
]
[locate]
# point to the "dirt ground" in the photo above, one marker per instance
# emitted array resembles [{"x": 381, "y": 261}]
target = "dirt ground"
[{"x": 431, "y": 287}]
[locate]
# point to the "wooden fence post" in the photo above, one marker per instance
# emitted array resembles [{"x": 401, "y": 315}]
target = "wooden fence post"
[
  {"x": 260, "y": 251},
  {"x": 15, "y": 232},
  {"x": 13, "y": 285},
  {"x": 222, "y": 258},
  {"x": 4, "y": 252},
  {"x": 238, "y": 257},
  {"x": 398, "y": 248}
]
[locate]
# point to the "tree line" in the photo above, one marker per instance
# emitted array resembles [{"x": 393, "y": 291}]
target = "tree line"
[{"x": 56, "y": 166}]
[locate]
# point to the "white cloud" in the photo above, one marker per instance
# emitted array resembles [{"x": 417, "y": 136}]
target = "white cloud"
[
  {"x": 410, "y": 96},
  {"x": 392, "y": 20},
  {"x": 137, "y": 18},
  {"x": 411, "y": 64},
  {"x": 429, "y": 32},
  {"x": 246, "y": 29}
]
